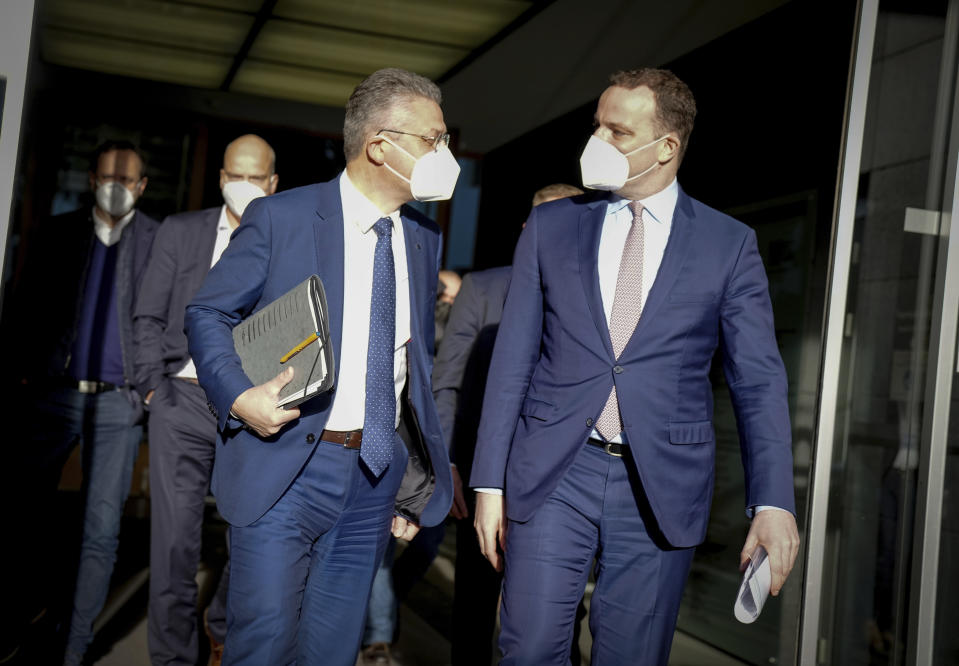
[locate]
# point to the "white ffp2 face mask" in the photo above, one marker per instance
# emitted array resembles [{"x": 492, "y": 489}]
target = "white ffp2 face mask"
[
  {"x": 114, "y": 198},
  {"x": 238, "y": 194},
  {"x": 434, "y": 174},
  {"x": 605, "y": 168}
]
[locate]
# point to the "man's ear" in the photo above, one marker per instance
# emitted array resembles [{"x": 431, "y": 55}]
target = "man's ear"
[
  {"x": 274, "y": 181},
  {"x": 142, "y": 186},
  {"x": 669, "y": 148},
  {"x": 374, "y": 150},
  {"x": 93, "y": 180}
]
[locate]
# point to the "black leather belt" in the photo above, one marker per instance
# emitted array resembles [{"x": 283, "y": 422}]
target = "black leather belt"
[
  {"x": 90, "y": 386},
  {"x": 612, "y": 448}
]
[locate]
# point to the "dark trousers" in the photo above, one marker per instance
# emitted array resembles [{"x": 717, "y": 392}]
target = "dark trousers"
[
  {"x": 476, "y": 588},
  {"x": 597, "y": 510},
  {"x": 182, "y": 443},
  {"x": 300, "y": 575}
]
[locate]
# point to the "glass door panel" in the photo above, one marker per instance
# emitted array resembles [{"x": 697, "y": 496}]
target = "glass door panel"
[{"x": 881, "y": 401}]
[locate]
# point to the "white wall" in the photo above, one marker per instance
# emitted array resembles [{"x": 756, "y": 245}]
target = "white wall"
[{"x": 16, "y": 27}]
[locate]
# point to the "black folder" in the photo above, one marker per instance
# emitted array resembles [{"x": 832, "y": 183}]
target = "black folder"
[{"x": 273, "y": 332}]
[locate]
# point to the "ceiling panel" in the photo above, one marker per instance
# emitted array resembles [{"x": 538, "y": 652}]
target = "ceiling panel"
[
  {"x": 248, "y": 6},
  {"x": 466, "y": 23},
  {"x": 159, "y": 23},
  {"x": 292, "y": 43},
  {"x": 305, "y": 50},
  {"x": 296, "y": 83},
  {"x": 104, "y": 54}
]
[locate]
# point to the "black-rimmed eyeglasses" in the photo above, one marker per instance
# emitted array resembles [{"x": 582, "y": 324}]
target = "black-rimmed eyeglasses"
[{"x": 434, "y": 141}]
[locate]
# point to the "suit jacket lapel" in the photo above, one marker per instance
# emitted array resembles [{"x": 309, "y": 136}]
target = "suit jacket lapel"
[
  {"x": 590, "y": 231},
  {"x": 204, "y": 248},
  {"x": 415, "y": 257},
  {"x": 677, "y": 247},
  {"x": 328, "y": 236}
]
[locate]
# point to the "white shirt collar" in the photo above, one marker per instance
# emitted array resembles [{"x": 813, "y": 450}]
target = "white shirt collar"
[
  {"x": 659, "y": 206},
  {"x": 224, "y": 222},
  {"x": 110, "y": 235},
  {"x": 358, "y": 209}
]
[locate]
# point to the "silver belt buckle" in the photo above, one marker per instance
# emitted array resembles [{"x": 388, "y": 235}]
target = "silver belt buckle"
[
  {"x": 86, "y": 386},
  {"x": 608, "y": 446}
]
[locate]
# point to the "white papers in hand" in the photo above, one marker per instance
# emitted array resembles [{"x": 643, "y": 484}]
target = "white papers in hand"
[{"x": 754, "y": 589}]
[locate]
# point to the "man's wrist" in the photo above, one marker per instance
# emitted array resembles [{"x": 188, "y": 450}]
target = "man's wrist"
[{"x": 753, "y": 510}]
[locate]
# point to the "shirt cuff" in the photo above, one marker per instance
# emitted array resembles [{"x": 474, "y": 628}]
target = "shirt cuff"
[
  {"x": 753, "y": 510},
  {"x": 489, "y": 491}
]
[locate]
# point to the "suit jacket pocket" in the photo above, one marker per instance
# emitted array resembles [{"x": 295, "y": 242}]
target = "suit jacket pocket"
[
  {"x": 537, "y": 409},
  {"x": 692, "y": 297},
  {"x": 691, "y": 432}
]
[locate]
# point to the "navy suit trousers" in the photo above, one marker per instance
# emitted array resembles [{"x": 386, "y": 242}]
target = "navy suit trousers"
[
  {"x": 300, "y": 576},
  {"x": 597, "y": 511}
]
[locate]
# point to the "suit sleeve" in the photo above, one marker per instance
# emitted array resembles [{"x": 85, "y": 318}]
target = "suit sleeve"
[
  {"x": 462, "y": 329},
  {"x": 228, "y": 295},
  {"x": 515, "y": 356},
  {"x": 757, "y": 382},
  {"x": 152, "y": 310}
]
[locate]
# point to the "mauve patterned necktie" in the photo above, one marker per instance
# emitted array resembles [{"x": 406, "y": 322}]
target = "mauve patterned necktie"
[
  {"x": 627, "y": 307},
  {"x": 379, "y": 421}
]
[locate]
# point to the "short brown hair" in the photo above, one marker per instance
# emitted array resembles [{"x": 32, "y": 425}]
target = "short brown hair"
[
  {"x": 675, "y": 105},
  {"x": 553, "y": 192}
]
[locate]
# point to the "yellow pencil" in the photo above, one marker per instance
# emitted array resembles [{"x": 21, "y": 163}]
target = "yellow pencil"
[{"x": 300, "y": 347}]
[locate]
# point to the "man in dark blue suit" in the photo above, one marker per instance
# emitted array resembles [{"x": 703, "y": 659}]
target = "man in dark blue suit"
[
  {"x": 182, "y": 429},
  {"x": 597, "y": 418},
  {"x": 311, "y": 492}
]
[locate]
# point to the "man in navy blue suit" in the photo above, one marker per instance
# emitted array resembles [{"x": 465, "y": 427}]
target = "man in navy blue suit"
[
  {"x": 596, "y": 439},
  {"x": 312, "y": 493}
]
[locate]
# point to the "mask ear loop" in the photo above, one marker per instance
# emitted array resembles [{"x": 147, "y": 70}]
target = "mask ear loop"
[
  {"x": 654, "y": 165},
  {"x": 405, "y": 152}
]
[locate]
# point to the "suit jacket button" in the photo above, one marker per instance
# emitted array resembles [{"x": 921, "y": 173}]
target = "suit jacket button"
[
  {"x": 618, "y": 369},
  {"x": 310, "y": 438},
  {"x": 589, "y": 423}
]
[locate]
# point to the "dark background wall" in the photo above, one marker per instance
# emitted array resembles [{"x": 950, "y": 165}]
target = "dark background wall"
[{"x": 770, "y": 99}]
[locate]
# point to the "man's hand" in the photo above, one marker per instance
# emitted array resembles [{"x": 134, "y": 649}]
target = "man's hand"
[
  {"x": 490, "y": 526},
  {"x": 256, "y": 406},
  {"x": 775, "y": 530},
  {"x": 404, "y": 529},
  {"x": 458, "y": 510}
]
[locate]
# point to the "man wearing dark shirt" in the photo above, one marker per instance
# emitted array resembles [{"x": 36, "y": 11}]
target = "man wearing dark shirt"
[{"x": 72, "y": 310}]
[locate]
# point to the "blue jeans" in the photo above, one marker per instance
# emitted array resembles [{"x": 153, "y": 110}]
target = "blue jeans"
[
  {"x": 394, "y": 579},
  {"x": 103, "y": 424}
]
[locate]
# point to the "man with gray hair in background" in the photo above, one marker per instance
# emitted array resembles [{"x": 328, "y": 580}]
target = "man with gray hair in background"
[{"x": 311, "y": 492}]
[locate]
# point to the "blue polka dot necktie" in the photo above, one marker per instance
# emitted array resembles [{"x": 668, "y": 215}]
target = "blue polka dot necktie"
[{"x": 379, "y": 422}]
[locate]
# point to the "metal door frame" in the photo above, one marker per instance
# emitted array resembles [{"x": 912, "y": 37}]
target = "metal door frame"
[{"x": 942, "y": 348}]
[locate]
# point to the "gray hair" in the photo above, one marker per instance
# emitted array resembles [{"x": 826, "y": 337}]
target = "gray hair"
[{"x": 374, "y": 99}]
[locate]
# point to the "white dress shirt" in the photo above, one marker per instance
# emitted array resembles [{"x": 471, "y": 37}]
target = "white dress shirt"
[
  {"x": 223, "y": 233},
  {"x": 105, "y": 233},
  {"x": 359, "y": 243},
  {"x": 657, "y": 223}
]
